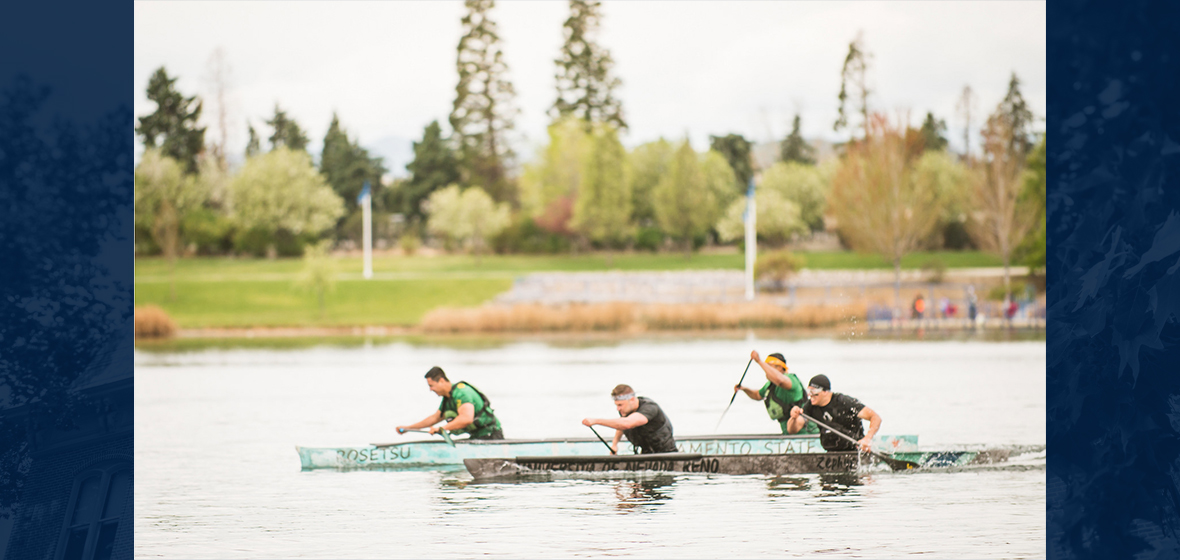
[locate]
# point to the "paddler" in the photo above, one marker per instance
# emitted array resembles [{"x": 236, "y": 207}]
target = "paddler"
[
  {"x": 782, "y": 391},
  {"x": 839, "y": 411},
  {"x": 465, "y": 409},
  {"x": 641, "y": 420}
]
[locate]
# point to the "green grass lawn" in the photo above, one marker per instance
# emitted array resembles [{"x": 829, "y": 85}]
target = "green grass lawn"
[
  {"x": 277, "y": 303},
  {"x": 234, "y": 292}
]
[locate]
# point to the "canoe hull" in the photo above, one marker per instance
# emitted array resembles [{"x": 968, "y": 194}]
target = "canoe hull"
[
  {"x": 436, "y": 452},
  {"x": 764, "y": 464}
]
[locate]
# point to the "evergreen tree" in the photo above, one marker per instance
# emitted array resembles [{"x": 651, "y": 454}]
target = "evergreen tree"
[
  {"x": 287, "y": 133},
  {"x": 934, "y": 133},
  {"x": 482, "y": 113},
  {"x": 435, "y": 166},
  {"x": 585, "y": 88},
  {"x": 1019, "y": 120},
  {"x": 854, "y": 82},
  {"x": 173, "y": 127},
  {"x": 347, "y": 166},
  {"x": 795, "y": 148},
  {"x": 736, "y": 150},
  {"x": 253, "y": 145}
]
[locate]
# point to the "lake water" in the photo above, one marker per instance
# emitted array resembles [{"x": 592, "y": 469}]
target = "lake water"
[{"x": 217, "y": 475}]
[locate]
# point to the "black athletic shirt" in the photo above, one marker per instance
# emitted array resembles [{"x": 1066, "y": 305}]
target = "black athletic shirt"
[
  {"x": 656, "y": 435},
  {"x": 840, "y": 413}
]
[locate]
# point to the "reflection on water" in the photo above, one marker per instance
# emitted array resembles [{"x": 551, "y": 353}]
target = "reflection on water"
[{"x": 634, "y": 494}]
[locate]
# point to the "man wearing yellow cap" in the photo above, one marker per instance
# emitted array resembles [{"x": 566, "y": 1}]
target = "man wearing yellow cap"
[{"x": 782, "y": 391}]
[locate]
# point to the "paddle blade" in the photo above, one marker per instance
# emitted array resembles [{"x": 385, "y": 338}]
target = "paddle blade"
[{"x": 447, "y": 436}]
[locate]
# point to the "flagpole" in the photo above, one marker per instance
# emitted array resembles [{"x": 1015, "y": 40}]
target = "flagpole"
[
  {"x": 367, "y": 205},
  {"x": 751, "y": 219}
]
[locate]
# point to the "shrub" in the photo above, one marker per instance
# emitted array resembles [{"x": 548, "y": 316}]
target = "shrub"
[
  {"x": 153, "y": 322},
  {"x": 649, "y": 239},
  {"x": 777, "y": 267},
  {"x": 210, "y": 232},
  {"x": 409, "y": 243},
  {"x": 934, "y": 270}
]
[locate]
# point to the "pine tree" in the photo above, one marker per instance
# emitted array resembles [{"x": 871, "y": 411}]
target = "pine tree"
[
  {"x": 854, "y": 81},
  {"x": 1019, "y": 120},
  {"x": 482, "y": 113},
  {"x": 253, "y": 145},
  {"x": 934, "y": 133},
  {"x": 287, "y": 133},
  {"x": 435, "y": 166},
  {"x": 736, "y": 150},
  {"x": 795, "y": 148},
  {"x": 585, "y": 88},
  {"x": 347, "y": 166},
  {"x": 173, "y": 127}
]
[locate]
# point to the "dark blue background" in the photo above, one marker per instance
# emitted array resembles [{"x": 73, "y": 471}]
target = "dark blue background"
[{"x": 1114, "y": 237}]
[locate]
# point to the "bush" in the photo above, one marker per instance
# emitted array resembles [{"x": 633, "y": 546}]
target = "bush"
[
  {"x": 153, "y": 322},
  {"x": 258, "y": 242},
  {"x": 777, "y": 267},
  {"x": 523, "y": 235},
  {"x": 649, "y": 239},
  {"x": 409, "y": 243},
  {"x": 211, "y": 232},
  {"x": 934, "y": 270}
]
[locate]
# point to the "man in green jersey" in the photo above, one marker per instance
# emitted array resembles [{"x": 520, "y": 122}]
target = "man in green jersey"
[
  {"x": 782, "y": 391},
  {"x": 464, "y": 408}
]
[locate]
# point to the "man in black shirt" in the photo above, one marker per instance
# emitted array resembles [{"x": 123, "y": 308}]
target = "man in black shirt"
[
  {"x": 641, "y": 420},
  {"x": 839, "y": 411}
]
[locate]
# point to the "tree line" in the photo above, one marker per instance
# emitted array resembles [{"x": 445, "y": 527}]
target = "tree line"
[{"x": 890, "y": 189}]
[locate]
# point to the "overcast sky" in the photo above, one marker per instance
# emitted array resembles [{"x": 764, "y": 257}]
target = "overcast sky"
[{"x": 688, "y": 68}]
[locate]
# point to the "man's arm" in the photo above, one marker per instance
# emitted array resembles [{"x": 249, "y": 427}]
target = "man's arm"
[
  {"x": 633, "y": 420},
  {"x": 465, "y": 418},
  {"x": 772, "y": 375},
  {"x": 428, "y": 421},
  {"x": 874, "y": 419},
  {"x": 753, "y": 394},
  {"x": 614, "y": 444},
  {"x": 797, "y": 421}
]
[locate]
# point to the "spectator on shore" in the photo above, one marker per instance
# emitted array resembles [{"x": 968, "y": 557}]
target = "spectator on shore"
[{"x": 919, "y": 307}]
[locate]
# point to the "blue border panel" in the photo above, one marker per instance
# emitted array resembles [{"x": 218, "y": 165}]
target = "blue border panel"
[
  {"x": 66, "y": 268},
  {"x": 1114, "y": 292}
]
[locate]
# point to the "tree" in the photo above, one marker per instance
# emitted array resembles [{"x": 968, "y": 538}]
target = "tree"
[
  {"x": 999, "y": 221},
  {"x": 287, "y": 133},
  {"x": 1019, "y": 119},
  {"x": 482, "y": 113},
  {"x": 777, "y": 218},
  {"x": 933, "y": 133},
  {"x": 281, "y": 190},
  {"x": 1033, "y": 251},
  {"x": 550, "y": 184},
  {"x": 795, "y": 148},
  {"x": 878, "y": 203},
  {"x": 253, "y": 146},
  {"x": 217, "y": 79},
  {"x": 854, "y": 84},
  {"x": 736, "y": 150},
  {"x": 803, "y": 185},
  {"x": 646, "y": 164},
  {"x": 163, "y": 195},
  {"x": 948, "y": 178},
  {"x": 173, "y": 127},
  {"x": 684, "y": 206},
  {"x": 468, "y": 217},
  {"x": 435, "y": 166},
  {"x": 347, "y": 166},
  {"x": 602, "y": 212},
  {"x": 719, "y": 180},
  {"x": 318, "y": 275},
  {"x": 585, "y": 88},
  {"x": 965, "y": 106}
]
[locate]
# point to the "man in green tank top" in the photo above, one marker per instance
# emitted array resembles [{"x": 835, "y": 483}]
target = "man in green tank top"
[
  {"x": 782, "y": 391},
  {"x": 465, "y": 409}
]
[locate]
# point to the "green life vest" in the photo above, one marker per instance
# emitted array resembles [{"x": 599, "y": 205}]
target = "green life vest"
[
  {"x": 485, "y": 417},
  {"x": 777, "y": 408}
]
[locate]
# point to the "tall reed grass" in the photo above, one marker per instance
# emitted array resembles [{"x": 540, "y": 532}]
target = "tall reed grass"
[
  {"x": 153, "y": 322},
  {"x": 634, "y": 317}
]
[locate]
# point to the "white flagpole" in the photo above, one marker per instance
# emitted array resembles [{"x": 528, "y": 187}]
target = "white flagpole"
[
  {"x": 751, "y": 219},
  {"x": 367, "y": 204}
]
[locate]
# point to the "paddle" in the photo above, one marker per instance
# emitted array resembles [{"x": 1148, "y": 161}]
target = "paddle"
[
  {"x": 731, "y": 399},
  {"x": 895, "y": 464},
  {"x": 445, "y": 435},
  {"x": 612, "y": 451}
]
